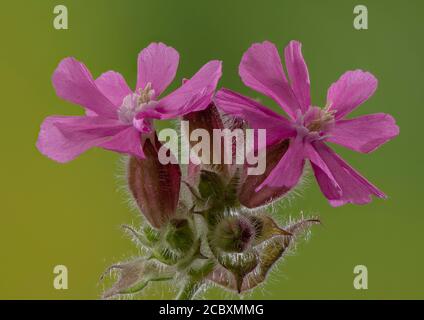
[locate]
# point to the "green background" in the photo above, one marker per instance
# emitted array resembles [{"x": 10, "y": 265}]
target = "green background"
[{"x": 70, "y": 214}]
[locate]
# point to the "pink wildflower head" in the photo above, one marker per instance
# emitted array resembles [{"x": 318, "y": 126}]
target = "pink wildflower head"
[
  {"x": 116, "y": 116},
  {"x": 308, "y": 127}
]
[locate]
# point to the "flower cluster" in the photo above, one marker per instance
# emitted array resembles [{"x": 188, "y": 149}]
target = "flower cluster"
[{"x": 208, "y": 223}]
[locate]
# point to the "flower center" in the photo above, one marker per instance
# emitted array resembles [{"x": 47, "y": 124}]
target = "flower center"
[
  {"x": 315, "y": 122},
  {"x": 134, "y": 103},
  {"x": 321, "y": 120}
]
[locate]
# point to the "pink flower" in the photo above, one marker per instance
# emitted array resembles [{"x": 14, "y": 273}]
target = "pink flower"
[
  {"x": 308, "y": 127},
  {"x": 116, "y": 116}
]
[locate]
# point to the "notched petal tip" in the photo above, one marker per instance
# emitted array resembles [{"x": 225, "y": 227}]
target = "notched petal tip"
[
  {"x": 194, "y": 95},
  {"x": 73, "y": 82},
  {"x": 351, "y": 90},
  {"x": 63, "y": 138},
  {"x": 261, "y": 69},
  {"x": 157, "y": 64}
]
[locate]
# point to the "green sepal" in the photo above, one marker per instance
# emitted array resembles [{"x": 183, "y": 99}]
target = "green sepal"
[{"x": 179, "y": 235}]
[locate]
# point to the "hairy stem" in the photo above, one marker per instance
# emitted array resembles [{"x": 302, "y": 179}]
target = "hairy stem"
[{"x": 189, "y": 290}]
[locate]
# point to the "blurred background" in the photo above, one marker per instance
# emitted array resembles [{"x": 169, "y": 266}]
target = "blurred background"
[{"x": 70, "y": 214}]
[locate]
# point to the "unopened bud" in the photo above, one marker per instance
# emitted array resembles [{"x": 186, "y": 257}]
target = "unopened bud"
[
  {"x": 154, "y": 186},
  {"x": 209, "y": 119},
  {"x": 234, "y": 234}
]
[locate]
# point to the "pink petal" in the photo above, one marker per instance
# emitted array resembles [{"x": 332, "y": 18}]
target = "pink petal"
[
  {"x": 127, "y": 141},
  {"x": 113, "y": 86},
  {"x": 158, "y": 65},
  {"x": 298, "y": 74},
  {"x": 64, "y": 138},
  {"x": 288, "y": 171},
  {"x": 149, "y": 112},
  {"x": 354, "y": 187},
  {"x": 248, "y": 196},
  {"x": 261, "y": 70},
  {"x": 143, "y": 119},
  {"x": 351, "y": 90},
  {"x": 365, "y": 133},
  {"x": 194, "y": 95},
  {"x": 90, "y": 113},
  {"x": 73, "y": 82},
  {"x": 328, "y": 184},
  {"x": 259, "y": 117}
]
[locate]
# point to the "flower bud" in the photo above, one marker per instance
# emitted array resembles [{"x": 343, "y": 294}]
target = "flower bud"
[
  {"x": 208, "y": 119},
  {"x": 234, "y": 234},
  {"x": 154, "y": 186},
  {"x": 247, "y": 271}
]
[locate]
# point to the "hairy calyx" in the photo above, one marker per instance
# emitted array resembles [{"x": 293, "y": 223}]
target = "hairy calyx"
[{"x": 212, "y": 241}]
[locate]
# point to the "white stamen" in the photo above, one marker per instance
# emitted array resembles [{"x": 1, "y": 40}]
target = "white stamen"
[{"x": 134, "y": 103}]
